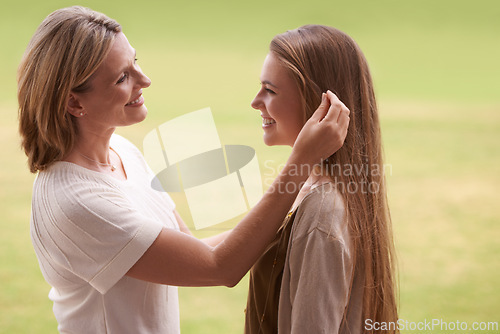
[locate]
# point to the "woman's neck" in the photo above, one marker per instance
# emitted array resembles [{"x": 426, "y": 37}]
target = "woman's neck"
[
  {"x": 92, "y": 150},
  {"x": 94, "y": 146}
]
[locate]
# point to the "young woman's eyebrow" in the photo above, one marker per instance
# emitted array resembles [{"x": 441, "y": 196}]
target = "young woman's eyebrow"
[{"x": 267, "y": 82}]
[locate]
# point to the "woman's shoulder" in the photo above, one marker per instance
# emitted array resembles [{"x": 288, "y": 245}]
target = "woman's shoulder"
[
  {"x": 322, "y": 210},
  {"x": 67, "y": 196},
  {"x": 65, "y": 184},
  {"x": 64, "y": 175},
  {"x": 324, "y": 197}
]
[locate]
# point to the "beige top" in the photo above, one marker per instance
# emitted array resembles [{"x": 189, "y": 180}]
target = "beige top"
[
  {"x": 314, "y": 278},
  {"x": 318, "y": 270}
]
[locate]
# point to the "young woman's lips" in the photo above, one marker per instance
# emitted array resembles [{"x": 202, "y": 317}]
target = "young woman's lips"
[
  {"x": 136, "y": 103},
  {"x": 267, "y": 122}
]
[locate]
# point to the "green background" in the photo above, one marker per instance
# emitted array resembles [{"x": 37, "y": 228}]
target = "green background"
[{"x": 435, "y": 67}]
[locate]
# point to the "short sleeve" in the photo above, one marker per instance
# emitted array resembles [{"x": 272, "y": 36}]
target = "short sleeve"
[{"x": 88, "y": 230}]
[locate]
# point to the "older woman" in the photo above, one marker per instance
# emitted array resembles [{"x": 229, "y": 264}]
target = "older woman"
[{"x": 110, "y": 246}]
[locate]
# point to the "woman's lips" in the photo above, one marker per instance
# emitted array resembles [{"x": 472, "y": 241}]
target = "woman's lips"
[
  {"x": 267, "y": 122},
  {"x": 135, "y": 103}
]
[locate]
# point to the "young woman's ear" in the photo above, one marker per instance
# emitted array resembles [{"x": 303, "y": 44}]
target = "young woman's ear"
[{"x": 74, "y": 106}]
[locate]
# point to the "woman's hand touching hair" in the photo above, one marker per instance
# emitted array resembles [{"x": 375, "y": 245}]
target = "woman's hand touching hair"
[{"x": 324, "y": 133}]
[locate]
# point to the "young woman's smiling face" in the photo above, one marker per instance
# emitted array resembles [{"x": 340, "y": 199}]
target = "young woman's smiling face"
[{"x": 280, "y": 104}]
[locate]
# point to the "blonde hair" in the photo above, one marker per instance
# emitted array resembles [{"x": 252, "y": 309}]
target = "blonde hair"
[
  {"x": 64, "y": 52},
  {"x": 323, "y": 58}
]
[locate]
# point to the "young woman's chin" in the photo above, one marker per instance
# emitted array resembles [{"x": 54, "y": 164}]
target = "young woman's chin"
[{"x": 270, "y": 140}]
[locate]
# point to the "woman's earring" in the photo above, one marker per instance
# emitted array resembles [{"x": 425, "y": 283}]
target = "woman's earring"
[{"x": 81, "y": 114}]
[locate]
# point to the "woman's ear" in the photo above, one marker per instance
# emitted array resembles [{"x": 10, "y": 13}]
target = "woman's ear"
[{"x": 74, "y": 107}]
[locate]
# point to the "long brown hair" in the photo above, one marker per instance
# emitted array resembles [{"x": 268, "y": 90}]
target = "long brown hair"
[
  {"x": 323, "y": 58},
  {"x": 64, "y": 52}
]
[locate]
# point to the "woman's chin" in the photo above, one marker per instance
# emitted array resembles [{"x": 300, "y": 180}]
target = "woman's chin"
[
  {"x": 139, "y": 115},
  {"x": 268, "y": 140},
  {"x": 271, "y": 140},
  {"x": 143, "y": 115}
]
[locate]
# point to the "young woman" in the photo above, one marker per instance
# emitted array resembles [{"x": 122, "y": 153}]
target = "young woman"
[
  {"x": 110, "y": 246},
  {"x": 331, "y": 264}
]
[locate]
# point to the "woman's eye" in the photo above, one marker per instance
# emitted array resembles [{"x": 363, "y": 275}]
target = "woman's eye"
[
  {"x": 270, "y": 91},
  {"x": 122, "y": 79},
  {"x": 135, "y": 60}
]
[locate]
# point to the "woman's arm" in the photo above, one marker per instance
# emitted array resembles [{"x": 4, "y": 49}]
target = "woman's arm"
[
  {"x": 176, "y": 258},
  {"x": 182, "y": 225},
  {"x": 211, "y": 241}
]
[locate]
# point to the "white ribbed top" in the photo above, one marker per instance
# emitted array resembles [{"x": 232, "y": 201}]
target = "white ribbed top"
[{"x": 88, "y": 229}]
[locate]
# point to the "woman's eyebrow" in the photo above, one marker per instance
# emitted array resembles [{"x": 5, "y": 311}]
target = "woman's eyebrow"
[
  {"x": 124, "y": 68},
  {"x": 267, "y": 82},
  {"x": 117, "y": 74}
]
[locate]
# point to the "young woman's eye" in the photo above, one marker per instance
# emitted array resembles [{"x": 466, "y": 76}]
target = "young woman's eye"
[
  {"x": 135, "y": 60},
  {"x": 270, "y": 91},
  {"x": 122, "y": 79}
]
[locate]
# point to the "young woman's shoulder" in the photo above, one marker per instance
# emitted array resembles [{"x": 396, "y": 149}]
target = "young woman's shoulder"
[{"x": 322, "y": 210}]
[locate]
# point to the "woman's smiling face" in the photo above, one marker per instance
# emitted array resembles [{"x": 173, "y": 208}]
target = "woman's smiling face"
[
  {"x": 115, "y": 94},
  {"x": 280, "y": 104}
]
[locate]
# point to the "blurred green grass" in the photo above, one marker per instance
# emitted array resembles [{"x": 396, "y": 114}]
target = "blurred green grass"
[{"x": 435, "y": 66}]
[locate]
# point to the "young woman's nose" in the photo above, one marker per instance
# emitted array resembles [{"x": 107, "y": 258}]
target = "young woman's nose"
[{"x": 256, "y": 102}]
